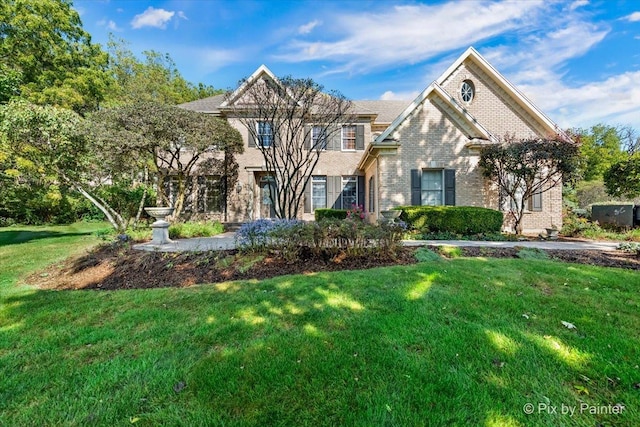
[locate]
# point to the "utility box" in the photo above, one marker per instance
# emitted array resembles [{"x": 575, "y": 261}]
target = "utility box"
[{"x": 618, "y": 215}]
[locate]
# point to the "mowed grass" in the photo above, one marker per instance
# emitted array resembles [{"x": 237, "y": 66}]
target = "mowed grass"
[{"x": 448, "y": 342}]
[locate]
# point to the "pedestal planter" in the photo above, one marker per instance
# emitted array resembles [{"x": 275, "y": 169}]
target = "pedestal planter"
[
  {"x": 552, "y": 233},
  {"x": 391, "y": 215},
  {"x": 160, "y": 227}
]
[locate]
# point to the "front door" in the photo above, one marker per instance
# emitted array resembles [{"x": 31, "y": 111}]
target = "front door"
[{"x": 267, "y": 193}]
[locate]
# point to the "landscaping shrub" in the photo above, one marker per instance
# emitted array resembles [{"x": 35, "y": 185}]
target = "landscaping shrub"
[
  {"x": 188, "y": 230},
  {"x": 426, "y": 255},
  {"x": 452, "y": 219},
  {"x": 321, "y": 214},
  {"x": 327, "y": 238}
]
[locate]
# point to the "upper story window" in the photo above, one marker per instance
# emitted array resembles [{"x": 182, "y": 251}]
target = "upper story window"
[
  {"x": 319, "y": 138},
  {"x": 348, "y": 137},
  {"x": 265, "y": 134},
  {"x": 467, "y": 91}
]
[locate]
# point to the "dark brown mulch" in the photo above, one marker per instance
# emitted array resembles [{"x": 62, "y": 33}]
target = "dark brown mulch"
[
  {"x": 588, "y": 257},
  {"x": 120, "y": 267}
]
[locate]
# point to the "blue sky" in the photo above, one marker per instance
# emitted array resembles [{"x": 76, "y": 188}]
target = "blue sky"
[{"x": 579, "y": 61}]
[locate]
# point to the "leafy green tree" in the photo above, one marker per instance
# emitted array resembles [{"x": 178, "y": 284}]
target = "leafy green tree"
[
  {"x": 600, "y": 148},
  {"x": 522, "y": 168},
  {"x": 155, "y": 79},
  {"x": 622, "y": 179},
  {"x": 51, "y": 143},
  {"x": 175, "y": 142},
  {"x": 42, "y": 43}
]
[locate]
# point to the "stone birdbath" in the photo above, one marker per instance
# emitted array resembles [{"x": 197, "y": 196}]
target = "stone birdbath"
[
  {"x": 161, "y": 226},
  {"x": 391, "y": 215}
]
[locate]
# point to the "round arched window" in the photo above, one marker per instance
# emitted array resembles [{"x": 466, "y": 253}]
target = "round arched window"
[{"x": 467, "y": 91}]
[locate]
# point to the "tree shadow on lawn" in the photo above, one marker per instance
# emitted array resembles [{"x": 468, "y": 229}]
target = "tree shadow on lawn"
[
  {"x": 14, "y": 237},
  {"x": 462, "y": 342}
]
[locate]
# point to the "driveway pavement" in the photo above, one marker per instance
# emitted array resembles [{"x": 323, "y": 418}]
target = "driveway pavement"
[{"x": 226, "y": 241}]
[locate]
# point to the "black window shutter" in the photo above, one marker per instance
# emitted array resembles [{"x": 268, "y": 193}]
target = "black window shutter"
[
  {"x": 307, "y": 196},
  {"x": 337, "y": 192},
  {"x": 307, "y": 137},
  {"x": 335, "y": 141},
  {"x": 360, "y": 137},
  {"x": 535, "y": 202},
  {"x": 361, "y": 192},
  {"x": 252, "y": 139},
  {"x": 450, "y": 187},
  {"x": 416, "y": 187}
]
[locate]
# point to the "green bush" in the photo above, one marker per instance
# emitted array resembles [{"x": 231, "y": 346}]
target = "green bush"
[
  {"x": 463, "y": 220},
  {"x": 188, "y": 230},
  {"x": 321, "y": 214},
  {"x": 426, "y": 255}
]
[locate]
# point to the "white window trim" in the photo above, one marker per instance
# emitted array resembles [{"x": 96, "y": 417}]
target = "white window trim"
[
  {"x": 346, "y": 179},
  {"x": 326, "y": 139},
  {"x": 313, "y": 180},
  {"x": 258, "y": 134},
  {"x": 355, "y": 138}
]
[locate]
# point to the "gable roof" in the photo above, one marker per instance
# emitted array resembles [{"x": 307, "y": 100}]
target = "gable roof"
[
  {"x": 261, "y": 73},
  {"x": 463, "y": 118},
  {"x": 450, "y": 102},
  {"x": 473, "y": 55}
]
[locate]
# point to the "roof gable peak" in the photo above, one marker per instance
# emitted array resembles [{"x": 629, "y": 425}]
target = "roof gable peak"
[{"x": 261, "y": 72}]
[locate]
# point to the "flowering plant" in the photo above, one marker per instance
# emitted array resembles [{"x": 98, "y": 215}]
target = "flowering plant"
[{"x": 356, "y": 213}]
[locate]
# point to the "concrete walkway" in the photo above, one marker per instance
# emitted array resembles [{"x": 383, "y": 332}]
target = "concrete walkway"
[
  {"x": 226, "y": 241},
  {"x": 576, "y": 245}
]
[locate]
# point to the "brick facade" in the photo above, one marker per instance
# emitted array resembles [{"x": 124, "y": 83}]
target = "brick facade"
[{"x": 437, "y": 133}]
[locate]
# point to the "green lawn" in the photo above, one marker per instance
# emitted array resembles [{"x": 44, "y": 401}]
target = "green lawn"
[{"x": 457, "y": 342}]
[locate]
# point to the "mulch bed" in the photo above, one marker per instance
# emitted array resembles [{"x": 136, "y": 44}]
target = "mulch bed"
[
  {"x": 588, "y": 257},
  {"x": 114, "y": 266}
]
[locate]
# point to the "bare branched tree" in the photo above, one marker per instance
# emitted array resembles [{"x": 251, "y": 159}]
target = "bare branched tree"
[
  {"x": 524, "y": 168},
  {"x": 290, "y": 121},
  {"x": 629, "y": 139}
]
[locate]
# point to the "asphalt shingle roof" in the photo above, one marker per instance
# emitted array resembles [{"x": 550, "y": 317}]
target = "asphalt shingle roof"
[
  {"x": 387, "y": 111},
  {"x": 205, "y": 105}
]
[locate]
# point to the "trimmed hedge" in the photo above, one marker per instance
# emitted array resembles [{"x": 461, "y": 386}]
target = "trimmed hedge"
[
  {"x": 321, "y": 214},
  {"x": 464, "y": 220}
]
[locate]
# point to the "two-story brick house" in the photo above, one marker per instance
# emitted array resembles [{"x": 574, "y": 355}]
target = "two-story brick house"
[{"x": 403, "y": 153}]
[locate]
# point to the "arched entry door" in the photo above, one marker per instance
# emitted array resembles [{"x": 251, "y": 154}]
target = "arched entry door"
[{"x": 267, "y": 187}]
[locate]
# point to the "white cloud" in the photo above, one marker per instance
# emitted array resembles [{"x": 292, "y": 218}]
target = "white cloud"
[
  {"x": 152, "y": 17},
  {"x": 578, "y": 3},
  {"x": 181, "y": 15},
  {"x": 109, "y": 25},
  {"x": 307, "y": 28},
  {"x": 615, "y": 100},
  {"x": 399, "y": 96},
  {"x": 364, "y": 45},
  {"x": 634, "y": 17},
  {"x": 538, "y": 58}
]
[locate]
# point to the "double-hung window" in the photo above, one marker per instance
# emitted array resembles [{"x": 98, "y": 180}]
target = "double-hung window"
[
  {"x": 318, "y": 192},
  {"x": 209, "y": 197},
  {"x": 318, "y": 138},
  {"x": 265, "y": 134},
  {"x": 349, "y": 191},
  {"x": 348, "y": 138},
  {"x": 432, "y": 187}
]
